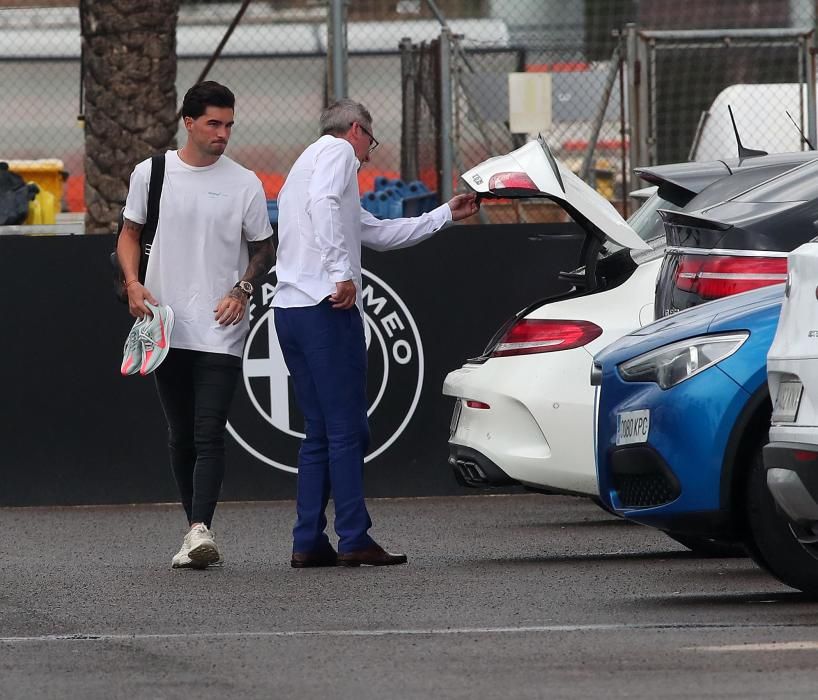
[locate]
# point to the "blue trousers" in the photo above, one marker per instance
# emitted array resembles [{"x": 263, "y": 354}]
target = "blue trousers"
[{"x": 325, "y": 352}]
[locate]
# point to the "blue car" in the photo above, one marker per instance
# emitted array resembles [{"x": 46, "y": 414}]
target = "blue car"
[{"x": 683, "y": 412}]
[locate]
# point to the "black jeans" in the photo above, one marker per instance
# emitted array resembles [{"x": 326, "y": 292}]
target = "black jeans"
[{"x": 195, "y": 390}]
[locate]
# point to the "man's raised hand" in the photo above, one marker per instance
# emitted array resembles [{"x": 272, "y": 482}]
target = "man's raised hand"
[{"x": 463, "y": 206}]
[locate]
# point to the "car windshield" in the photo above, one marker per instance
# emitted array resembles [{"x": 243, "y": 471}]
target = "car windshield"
[{"x": 646, "y": 220}]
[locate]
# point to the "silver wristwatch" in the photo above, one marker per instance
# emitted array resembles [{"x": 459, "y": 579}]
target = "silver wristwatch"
[{"x": 245, "y": 287}]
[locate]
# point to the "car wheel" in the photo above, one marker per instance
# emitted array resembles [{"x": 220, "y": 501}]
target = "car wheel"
[
  {"x": 770, "y": 540},
  {"x": 707, "y": 547}
]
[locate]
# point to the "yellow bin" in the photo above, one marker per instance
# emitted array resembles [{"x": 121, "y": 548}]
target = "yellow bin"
[
  {"x": 42, "y": 211},
  {"x": 46, "y": 172}
]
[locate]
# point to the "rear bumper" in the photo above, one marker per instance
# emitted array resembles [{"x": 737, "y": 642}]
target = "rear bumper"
[
  {"x": 537, "y": 430},
  {"x": 792, "y": 477}
]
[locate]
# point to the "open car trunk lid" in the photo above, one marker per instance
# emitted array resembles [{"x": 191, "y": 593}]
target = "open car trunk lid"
[{"x": 532, "y": 171}]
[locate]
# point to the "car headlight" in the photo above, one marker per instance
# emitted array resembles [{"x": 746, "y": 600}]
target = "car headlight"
[{"x": 672, "y": 364}]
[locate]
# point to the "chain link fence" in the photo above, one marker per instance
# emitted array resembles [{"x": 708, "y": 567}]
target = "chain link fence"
[{"x": 276, "y": 63}]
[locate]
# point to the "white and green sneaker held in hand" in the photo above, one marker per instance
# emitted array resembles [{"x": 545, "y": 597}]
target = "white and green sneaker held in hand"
[
  {"x": 155, "y": 337},
  {"x": 132, "y": 353},
  {"x": 148, "y": 341}
]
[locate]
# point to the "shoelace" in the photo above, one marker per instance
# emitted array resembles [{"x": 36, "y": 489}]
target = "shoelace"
[
  {"x": 199, "y": 532},
  {"x": 144, "y": 336}
]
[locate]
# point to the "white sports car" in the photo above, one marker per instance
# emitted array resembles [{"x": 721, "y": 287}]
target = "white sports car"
[{"x": 523, "y": 409}]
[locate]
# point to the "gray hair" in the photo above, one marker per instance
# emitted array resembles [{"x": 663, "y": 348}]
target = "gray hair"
[{"x": 339, "y": 116}]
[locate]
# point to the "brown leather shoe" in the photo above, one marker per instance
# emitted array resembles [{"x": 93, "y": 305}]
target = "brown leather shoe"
[
  {"x": 306, "y": 560},
  {"x": 374, "y": 555}
]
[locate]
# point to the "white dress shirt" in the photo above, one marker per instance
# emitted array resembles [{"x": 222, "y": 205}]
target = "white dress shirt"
[{"x": 321, "y": 226}]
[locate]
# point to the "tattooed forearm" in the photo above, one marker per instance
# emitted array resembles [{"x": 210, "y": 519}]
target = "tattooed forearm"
[
  {"x": 127, "y": 249},
  {"x": 262, "y": 258},
  {"x": 131, "y": 227}
]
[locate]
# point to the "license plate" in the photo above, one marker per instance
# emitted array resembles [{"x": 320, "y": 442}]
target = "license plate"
[
  {"x": 458, "y": 407},
  {"x": 787, "y": 401},
  {"x": 632, "y": 427}
]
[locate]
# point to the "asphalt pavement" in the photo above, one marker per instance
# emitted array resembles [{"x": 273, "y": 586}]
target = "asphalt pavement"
[{"x": 515, "y": 596}]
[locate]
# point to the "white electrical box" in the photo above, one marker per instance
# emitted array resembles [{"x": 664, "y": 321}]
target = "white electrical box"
[{"x": 529, "y": 102}]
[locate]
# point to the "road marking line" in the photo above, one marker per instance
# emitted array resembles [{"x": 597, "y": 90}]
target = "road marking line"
[
  {"x": 535, "y": 629},
  {"x": 771, "y": 646}
]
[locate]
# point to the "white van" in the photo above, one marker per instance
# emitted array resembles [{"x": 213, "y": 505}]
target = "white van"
[{"x": 760, "y": 111}]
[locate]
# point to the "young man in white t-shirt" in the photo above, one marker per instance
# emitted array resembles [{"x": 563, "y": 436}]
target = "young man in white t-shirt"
[{"x": 213, "y": 242}]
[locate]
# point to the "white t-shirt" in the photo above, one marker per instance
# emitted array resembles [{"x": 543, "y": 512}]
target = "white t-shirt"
[{"x": 206, "y": 217}]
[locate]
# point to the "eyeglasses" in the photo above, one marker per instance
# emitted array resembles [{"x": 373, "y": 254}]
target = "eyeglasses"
[{"x": 373, "y": 142}]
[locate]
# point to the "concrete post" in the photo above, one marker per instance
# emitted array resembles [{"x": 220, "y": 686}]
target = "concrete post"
[
  {"x": 337, "y": 50},
  {"x": 635, "y": 71},
  {"x": 810, "y": 78},
  {"x": 446, "y": 151}
]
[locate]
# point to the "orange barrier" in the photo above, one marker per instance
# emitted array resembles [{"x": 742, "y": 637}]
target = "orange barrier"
[
  {"x": 74, "y": 193},
  {"x": 602, "y": 145},
  {"x": 74, "y": 188},
  {"x": 558, "y": 67},
  {"x": 272, "y": 183}
]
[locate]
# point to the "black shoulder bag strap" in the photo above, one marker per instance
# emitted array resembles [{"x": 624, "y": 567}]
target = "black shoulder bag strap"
[{"x": 152, "y": 218}]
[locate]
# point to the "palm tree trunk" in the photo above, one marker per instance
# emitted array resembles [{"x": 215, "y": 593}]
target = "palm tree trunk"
[{"x": 129, "y": 71}]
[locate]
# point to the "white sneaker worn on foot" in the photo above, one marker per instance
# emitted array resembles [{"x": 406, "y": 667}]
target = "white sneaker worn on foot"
[
  {"x": 181, "y": 560},
  {"x": 201, "y": 543}
]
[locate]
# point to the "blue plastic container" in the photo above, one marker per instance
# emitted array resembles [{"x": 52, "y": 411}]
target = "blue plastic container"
[
  {"x": 272, "y": 211},
  {"x": 381, "y": 183},
  {"x": 369, "y": 201},
  {"x": 416, "y": 187},
  {"x": 393, "y": 199}
]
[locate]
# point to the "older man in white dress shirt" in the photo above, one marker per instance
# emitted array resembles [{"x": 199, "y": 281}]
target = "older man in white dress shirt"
[{"x": 318, "y": 318}]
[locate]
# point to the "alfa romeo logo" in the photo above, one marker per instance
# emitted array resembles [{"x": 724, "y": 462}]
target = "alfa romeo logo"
[{"x": 265, "y": 419}]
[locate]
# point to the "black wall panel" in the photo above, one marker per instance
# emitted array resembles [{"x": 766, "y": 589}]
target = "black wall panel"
[{"x": 75, "y": 432}]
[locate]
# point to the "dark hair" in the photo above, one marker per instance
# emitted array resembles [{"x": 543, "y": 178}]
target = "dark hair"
[{"x": 206, "y": 94}]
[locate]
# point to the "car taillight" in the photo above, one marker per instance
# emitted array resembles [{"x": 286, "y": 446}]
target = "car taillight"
[
  {"x": 530, "y": 336},
  {"x": 511, "y": 181},
  {"x": 716, "y": 276}
]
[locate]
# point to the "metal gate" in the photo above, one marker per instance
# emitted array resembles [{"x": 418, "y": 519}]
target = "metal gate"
[{"x": 675, "y": 80}]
